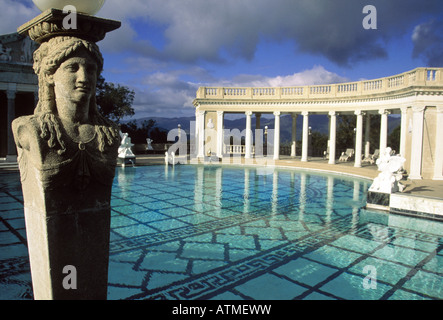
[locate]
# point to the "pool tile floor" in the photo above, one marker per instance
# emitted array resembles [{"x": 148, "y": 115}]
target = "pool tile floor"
[{"x": 208, "y": 238}]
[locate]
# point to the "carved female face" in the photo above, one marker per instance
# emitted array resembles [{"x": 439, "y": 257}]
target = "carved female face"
[{"x": 74, "y": 84}]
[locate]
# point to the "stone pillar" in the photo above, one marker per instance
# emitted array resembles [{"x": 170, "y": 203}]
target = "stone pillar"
[
  {"x": 294, "y": 135},
  {"x": 358, "y": 139},
  {"x": 68, "y": 169},
  {"x": 248, "y": 142},
  {"x": 383, "y": 130},
  {"x": 304, "y": 154},
  {"x": 332, "y": 136},
  {"x": 367, "y": 135},
  {"x": 277, "y": 135},
  {"x": 201, "y": 134},
  {"x": 220, "y": 130},
  {"x": 12, "y": 150},
  {"x": 417, "y": 143},
  {"x": 403, "y": 131},
  {"x": 438, "y": 167}
]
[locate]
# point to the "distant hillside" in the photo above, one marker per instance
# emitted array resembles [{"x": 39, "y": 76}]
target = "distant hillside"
[{"x": 319, "y": 123}]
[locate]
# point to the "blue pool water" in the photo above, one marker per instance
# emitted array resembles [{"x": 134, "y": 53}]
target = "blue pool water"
[{"x": 212, "y": 232}]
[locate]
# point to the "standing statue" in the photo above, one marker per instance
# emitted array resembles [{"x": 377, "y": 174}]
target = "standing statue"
[
  {"x": 67, "y": 153},
  {"x": 125, "y": 154},
  {"x": 149, "y": 144}
]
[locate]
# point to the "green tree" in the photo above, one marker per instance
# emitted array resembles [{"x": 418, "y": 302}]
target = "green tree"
[
  {"x": 319, "y": 143},
  {"x": 345, "y": 132},
  {"x": 114, "y": 101},
  {"x": 138, "y": 134},
  {"x": 394, "y": 139}
]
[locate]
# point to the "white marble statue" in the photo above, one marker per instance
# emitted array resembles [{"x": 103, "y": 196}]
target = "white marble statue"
[
  {"x": 388, "y": 179},
  {"x": 149, "y": 146},
  {"x": 124, "y": 151}
]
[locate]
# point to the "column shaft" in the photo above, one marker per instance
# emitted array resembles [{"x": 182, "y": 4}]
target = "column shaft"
[
  {"x": 294, "y": 136},
  {"x": 277, "y": 136},
  {"x": 417, "y": 143},
  {"x": 383, "y": 130},
  {"x": 403, "y": 132},
  {"x": 358, "y": 139},
  {"x": 438, "y": 167},
  {"x": 367, "y": 133},
  {"x": 304, "y": 155},
  {"x": 201, "y": 134},
  {"x": 220, "y": 127},
  {"x": 332, "y": 136},
  {"x": 248, "y": 142}
]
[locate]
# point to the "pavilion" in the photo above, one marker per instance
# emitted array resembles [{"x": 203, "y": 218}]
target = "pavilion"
[{"x": 416, "y": 95}]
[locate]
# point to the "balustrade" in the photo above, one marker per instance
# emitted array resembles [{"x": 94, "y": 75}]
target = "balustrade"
[
  {"x": 263, "y": 91},
  {"x": 416, "y": 77},
  {"x": 237, "y": 149},
  {"x": 347, "y": 87}
]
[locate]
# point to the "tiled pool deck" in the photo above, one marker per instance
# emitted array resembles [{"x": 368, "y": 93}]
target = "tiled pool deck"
[{"x": 161, "y": 252}]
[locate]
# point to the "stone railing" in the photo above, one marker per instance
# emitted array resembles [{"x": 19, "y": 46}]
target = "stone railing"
[
  {"x": 420, "y": 77},
  {"x": 237, "y": 149}
]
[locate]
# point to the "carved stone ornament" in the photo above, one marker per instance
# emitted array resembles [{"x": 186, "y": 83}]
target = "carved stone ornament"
[
  {"x": 67, "y": 154},
  {"x": 50, "y": 24}
]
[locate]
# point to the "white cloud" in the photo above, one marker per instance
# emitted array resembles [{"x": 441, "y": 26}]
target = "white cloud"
[
  {"x": 316, "y": 75},
  {"x": 15, "y": 13},
  {"x": 165, "y": 93}
]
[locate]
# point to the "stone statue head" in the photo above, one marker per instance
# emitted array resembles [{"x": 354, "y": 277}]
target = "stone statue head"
[{"x": 47, "y": 60}]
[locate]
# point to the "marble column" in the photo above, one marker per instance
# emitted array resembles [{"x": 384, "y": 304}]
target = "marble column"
[
  {"x": 332, "y": 136},
  {"x": 248, "y": 142},
  {"x": 201, "y": 134},
  {"x": 438, "y": 164},
  {"x": 12, "y": 151},
  {"x": 403, "y": 131},
  {"x": 277, "y": 135},
  {"x": 220, "y": 130},
  {"x": 417, "y": 142},
  {"x": 305, "y": 141},
  {"x": 294, "y": 135},
  {"x": 383, "y": 129},
  {"x": 358, "y": 139},
  {"x": 367, "y": 136}
]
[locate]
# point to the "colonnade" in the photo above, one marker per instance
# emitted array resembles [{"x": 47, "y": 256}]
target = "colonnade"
[
  {"x": 417, "y": 96},
  {"x": 359, "y": 151}
]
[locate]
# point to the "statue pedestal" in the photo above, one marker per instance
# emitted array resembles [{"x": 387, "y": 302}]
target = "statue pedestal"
[
  {"x": 68, "y": 230},
  {"x": 378, "y": 200}
]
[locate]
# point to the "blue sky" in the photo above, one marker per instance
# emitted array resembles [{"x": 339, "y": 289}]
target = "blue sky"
[{"x": 166, "y": 49}]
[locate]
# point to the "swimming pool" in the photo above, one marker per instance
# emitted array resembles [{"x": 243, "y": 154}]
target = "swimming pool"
[{"x": 213, "y": 232}]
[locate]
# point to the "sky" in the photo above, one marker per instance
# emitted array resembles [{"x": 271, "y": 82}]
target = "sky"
[{"x": 166, "y": 49}]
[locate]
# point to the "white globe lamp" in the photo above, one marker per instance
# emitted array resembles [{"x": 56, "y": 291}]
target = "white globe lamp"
[{"x": 90, "y": 7}]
